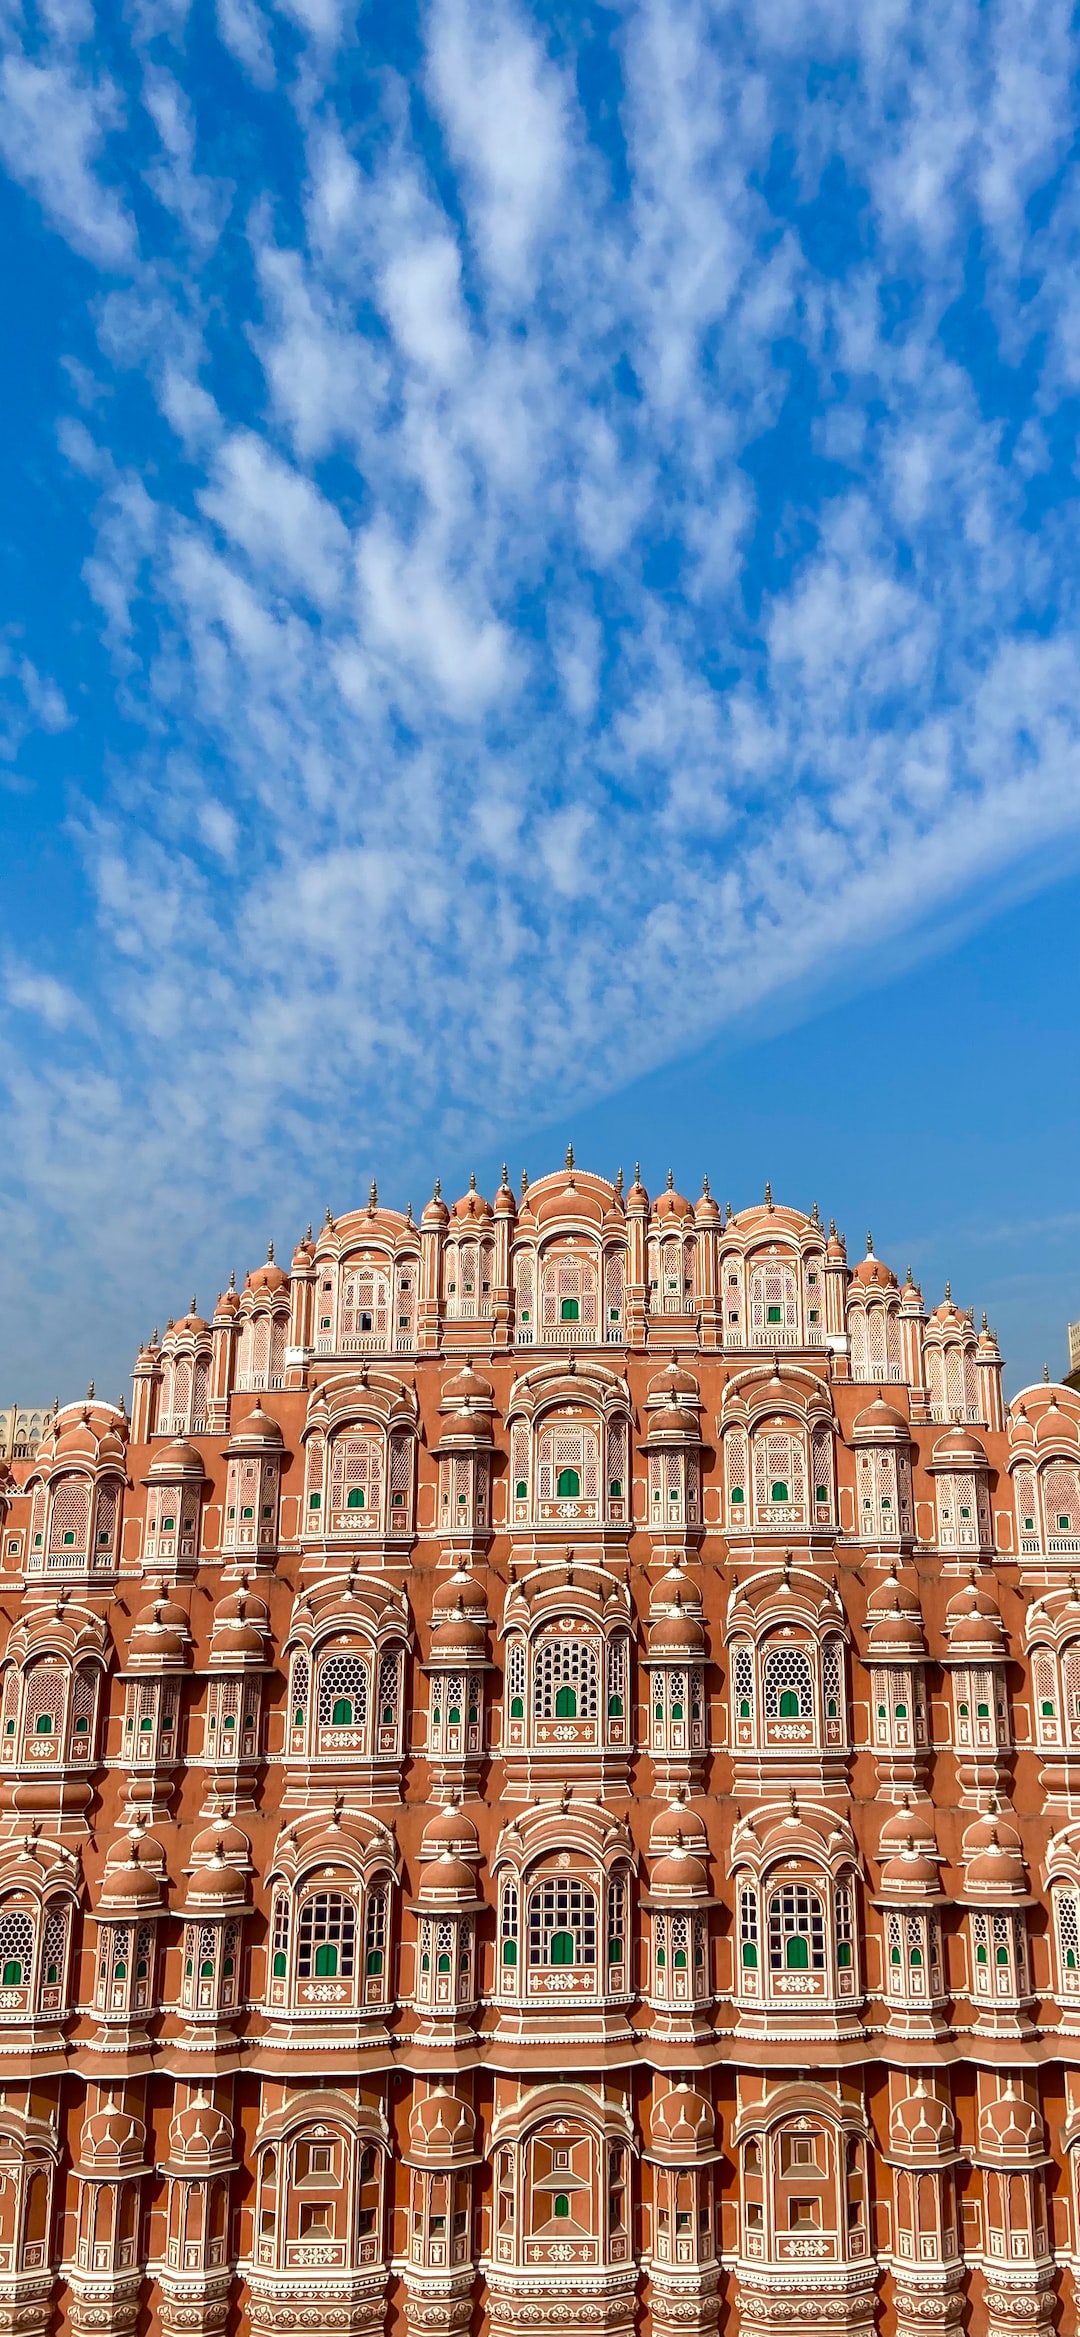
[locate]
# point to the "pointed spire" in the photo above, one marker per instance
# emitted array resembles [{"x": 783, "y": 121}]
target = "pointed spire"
[
  {"x": 619, "y": 1183},
  {"x": 90, "y": 1392},
  {"x": 436, "y": 1191},
  {"x": 1046, "y": 1377},
  {"x": 307, "y": 1236},
  {"x": 815, "y": 1215},
  {"x": 948, "y": 1294},
  {"x": 985, "y": 1320},
  {"x": 768, "y": 1194},
  {"x": 637, "y": 1172},
  {"x": 408, "y": 1213},
  {"x": 671, "y": 1180},
  {"x": 194, "y": 1307},
  {"x": 569, "y": 1156},
  {"x": 910, "y": 1279},
  {"x": 472, "y": 1181},
  {"x": 705, "y": 1186},
  {"x": 269, "y": 1256},
  {"x": 232, "y": 1278},
  {"x": 524, "y": 1183},
  {"x": 869, "y": 1244},
  {"x": 373, "y": 1196},
  {"x": 329, "y": 1214},
  {"x": 505, "y": 1174}
]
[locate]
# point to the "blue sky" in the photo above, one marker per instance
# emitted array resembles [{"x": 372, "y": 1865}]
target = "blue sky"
[{"x": 538, "y": 596}]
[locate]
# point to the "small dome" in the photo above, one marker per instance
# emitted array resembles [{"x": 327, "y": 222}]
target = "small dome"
[
  {"x": 200, "y": 2135},
  {"x": 973, "y": 1623},
  {"x": 1056, "y": 1426},
  {"x": 160, "y": 1636},
  {"x": 682, "y": 2124},
  {"x": 834, "y": 1247},
  {"x": 898, "y": 1635},
  {"x": 680, "y": 1876},
  {"x": 958, "y": 1449},
  {"x": 220, "y": 1856},
  {"x": 671, "y": 1204},
  {"x": 911, "y": 1822},
  {"x": 256, "y": 1432},
  {"x": 922, "y": 2124},
  {"x": 134, "y": 1872},
  {"x": 675, "y": 1420},
  {"x": 111, "y": 2139},
  {"x": 993, "y": 1860},
  {"x": 442, "y": 2130},
  {"x": 880, "y": 1420},
  {"x": 472, "y": 1206},
  {"x": 466, "y": 1391},
  {"x": 461, "y": 1591},
  {"x": 447, "y": 1882},
  {"x": 873, "y": 1275},
  {"x": 674, "y": 1385},
  {"x": 458, "y": 1632},
  {"x": 240, "y": 1629},
  {"x": 269, "y": 1277},
  {"x": 175, "y": 1463},
  {"x": 505, "y": 1204},
  {"x": 909, "y": 1872},
  {"x": 637, "y": 1197},
  {"x": 228, "y": 1302},
  {"x": 450, "y": 1829},
  {"x": 1011, "y": 2129},
  {"x": 436, "y": 1212},
  {"x": 678, "y": 1632},
  {"x": 678, "y": 1828},
  {"x": 707, "y": 1211}
]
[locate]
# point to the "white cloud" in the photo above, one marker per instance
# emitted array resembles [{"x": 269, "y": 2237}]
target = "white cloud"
[
  {"x": 53, "y": 125},
  {"x": 507, "y": 116}
]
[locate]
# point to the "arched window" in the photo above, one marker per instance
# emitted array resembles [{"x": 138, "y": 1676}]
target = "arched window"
[
  {"x": 568, "y": 1449},
  {"x": 562, "y": 1922},
  {"x": 326, "y": 1936},
  {"x": 569, "y": 1296},
  {"x": 1061, "y": 1498},
  {"x": 568, "y": 1486},
  {"x": 779, "y": 1476},
  {"x": 508, "y": 1925},
  {"x": 796, "y": 1929},
  {"x": 774, "y": 1303},
  {"x": 356, "y": 1466},
  {"x": 343, "y": 1691},
  {"x": 788, "y": 1684},
  {"x": 565, "y": 1662},
  {"x": 515, "y": 1678}
]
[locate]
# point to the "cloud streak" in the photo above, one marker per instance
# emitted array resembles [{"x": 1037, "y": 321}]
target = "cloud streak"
[{"x": 574, "y": 568}]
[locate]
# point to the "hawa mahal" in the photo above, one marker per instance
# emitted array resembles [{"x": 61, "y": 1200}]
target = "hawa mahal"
[{"x": 540, "y": 1792}]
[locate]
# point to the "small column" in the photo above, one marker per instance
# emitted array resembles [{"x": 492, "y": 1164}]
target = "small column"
[
  {"x": 502, "y": 1297},
  {"x": 433, "y": 1224}
]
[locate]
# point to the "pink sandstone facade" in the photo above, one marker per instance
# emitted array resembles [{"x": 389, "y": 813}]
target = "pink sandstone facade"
[{"x": 537, "y": 1780}]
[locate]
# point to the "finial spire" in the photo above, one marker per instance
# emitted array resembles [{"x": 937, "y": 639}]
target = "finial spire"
[
  {"x": 505, "y": 1174},
  {"x": 472, "y": 1181},
  {"x": 768, "y": 1194},
  {"x": 329, "y": 1214},
  {"x": 194, "y": 1307},
  {"x": 619, "y": 1182},
  {"x": 569, "y": 1156},
  {"x": 705, "y": 1186},
  {"x": 948, "y": 1293},
  {"x": 90, "y": 1391},
  {"x": 1046, "y": 1377},
  {"x": 269, "y": 1259},
  {"x": 869, "y": 1244},
  {"x": 373, "y": 1196},
  {"x": 437, "y": 1189},
  {"x": 524, "y": 1183},
  {"x": 408, "y": 1213},
  {"x": 232, "y": 1278},
  {"x": 985, "y": 1320},
  {"x": 671, "y": 1180}
]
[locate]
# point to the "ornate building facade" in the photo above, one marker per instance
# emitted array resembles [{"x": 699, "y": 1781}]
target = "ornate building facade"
[{"x": 537, "y": 1781}]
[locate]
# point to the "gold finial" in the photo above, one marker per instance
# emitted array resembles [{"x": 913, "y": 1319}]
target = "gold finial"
[
  {"x": 373, "y": 1196},
  {"x": 619, "y": 1182},
  {"x": 437, "y": 1190},
  {"x": 329, "y": 1214},
  {"x": 985, "y": 1320},
  {"x": 269, "y": 1258},
  {"x": 768, "y": 1194},
  {"x": 869, "y": 1245},
  {"x": 232, "y": 1279},
  {"x": 705, "y": 1186},
  {"x": 505, "y": 1174},
  {"x": 671, "y": 1180},
  {"x": 1046, "y": 1377},
  {"x": 569, "y": 1156},
  {"x": 472, "y": 1182},
  {"x": 637, "y": 1172},
  {"x": 408, "y": 1213},
  {"x": 524, "y": 1183},
  {"x": 307, "y": 1236}
]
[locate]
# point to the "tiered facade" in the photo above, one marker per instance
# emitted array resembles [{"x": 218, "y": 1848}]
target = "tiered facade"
[{"x": 537, "y": 1783}]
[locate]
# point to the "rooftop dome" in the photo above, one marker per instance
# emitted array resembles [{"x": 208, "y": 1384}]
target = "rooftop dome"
[
  {"x": 134, "y": 1874},
  {"x": 200, "y": 2135},
  {"x": 450, "y": 1829},
  {"x": 1011, "y": 2130},
  {"x": 671, "y": 1204},
  {"x": 882, "y": 1421},
  {"x": 677, "y": 1631},
  {"x": 442, "y": 2130},
  {"x": 472, "y": 1205},
  {"x": 112, "y": 2141},
  {"x": 176, "y": 1462},
  {"x": 958, "y": 1449},
  {"x": 160, "y": 1636},
  {"x": 256, "y": 1432},
  {"x": 922, "y": 2124},
  {"x": 682, "y": 2124}
]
